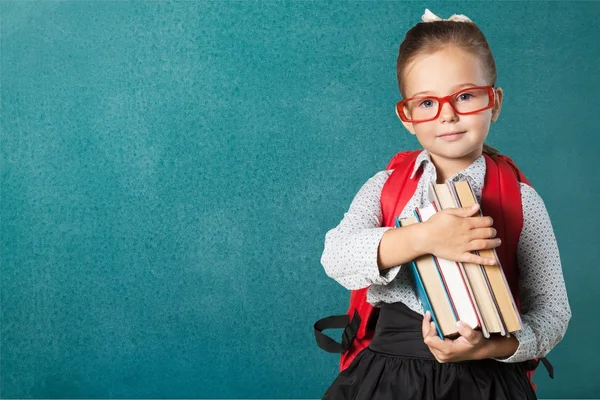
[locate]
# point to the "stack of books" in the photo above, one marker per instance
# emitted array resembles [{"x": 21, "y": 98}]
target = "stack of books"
[{"x": 477, "y": 295}]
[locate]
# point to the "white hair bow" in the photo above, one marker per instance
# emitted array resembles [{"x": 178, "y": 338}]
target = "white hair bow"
[{"x": 430, "y": 17}]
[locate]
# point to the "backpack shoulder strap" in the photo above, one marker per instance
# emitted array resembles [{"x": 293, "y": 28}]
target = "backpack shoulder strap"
[
  {"x": 501, "y": 200},
  {"x": 399, "y": 188},
  {"x": 505, "y": 161},
  {"x": 399, "y": 157}
]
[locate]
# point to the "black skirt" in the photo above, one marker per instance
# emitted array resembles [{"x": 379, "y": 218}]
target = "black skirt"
[{"x": 398, "y": 365}]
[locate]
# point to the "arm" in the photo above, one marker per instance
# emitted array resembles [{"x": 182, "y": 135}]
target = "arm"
[
  {"x": 360, "y": 252},
  {"x": 543, "y": 295}
]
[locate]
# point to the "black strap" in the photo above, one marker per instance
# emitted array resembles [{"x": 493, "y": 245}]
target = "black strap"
[
  {"x": 531, "y": 365},
  {"x": 548, "y": 366},
  {"x": 337, "y": 322}
]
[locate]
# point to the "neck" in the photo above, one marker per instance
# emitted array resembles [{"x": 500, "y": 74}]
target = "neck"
[{"x": 447, "y": 167}]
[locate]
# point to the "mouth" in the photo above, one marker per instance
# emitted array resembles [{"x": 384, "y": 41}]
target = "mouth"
[
  {"x": 450, "y": 136},
  {"x": 450, "y": 133}
]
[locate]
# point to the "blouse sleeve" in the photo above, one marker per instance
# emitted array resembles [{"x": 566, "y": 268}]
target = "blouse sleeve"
[
  {"x": 542, "y": 292},
  {"x": 351, "y": 248}
]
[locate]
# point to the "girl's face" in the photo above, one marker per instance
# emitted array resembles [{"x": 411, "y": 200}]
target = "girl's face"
[{"x": 440, "y": 74}]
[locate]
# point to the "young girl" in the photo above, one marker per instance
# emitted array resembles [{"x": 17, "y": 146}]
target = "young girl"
[{"x": 406, "y": 359}]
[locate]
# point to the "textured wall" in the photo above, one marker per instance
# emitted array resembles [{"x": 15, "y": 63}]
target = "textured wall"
[{"x": 169, "y": 170}]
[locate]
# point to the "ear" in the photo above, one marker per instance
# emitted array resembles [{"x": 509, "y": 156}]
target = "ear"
[
  {"x": 408, "y": 125},
  {"x": 498, "y": 104}
]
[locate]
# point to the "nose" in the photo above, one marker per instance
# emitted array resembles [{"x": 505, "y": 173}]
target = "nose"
[{"x": 447, "y": 114}]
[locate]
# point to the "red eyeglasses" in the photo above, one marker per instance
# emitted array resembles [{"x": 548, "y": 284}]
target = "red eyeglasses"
[{"x": 464, "y": 102}]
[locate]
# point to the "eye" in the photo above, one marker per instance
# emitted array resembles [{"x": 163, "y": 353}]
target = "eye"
[
  {"x": 427, "y": 103},
  {"x": 464, "y": 96}
]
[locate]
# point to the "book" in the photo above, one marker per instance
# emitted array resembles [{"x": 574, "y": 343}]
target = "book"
[
  {"x": 504, "y": 300},
  {"x": 459, "y": 285},
  {"x": 454, "y": 278},
  {"x": 451, "y": 290},
  {"x": 431, "y": 290},
  {"x": 478, "y": 286}
]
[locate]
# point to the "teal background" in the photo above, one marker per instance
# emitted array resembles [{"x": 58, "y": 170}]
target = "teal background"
[{"x": 169, "y": 171}]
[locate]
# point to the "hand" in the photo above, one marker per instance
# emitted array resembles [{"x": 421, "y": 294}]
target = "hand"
[
  {"x": 454, "y": 233},
  {"x": 470, "y": 345}
]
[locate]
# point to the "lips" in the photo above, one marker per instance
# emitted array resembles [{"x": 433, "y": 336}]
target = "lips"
[
  {"x": 451, "y": 136},
  {"x": 450, "y": 133}
]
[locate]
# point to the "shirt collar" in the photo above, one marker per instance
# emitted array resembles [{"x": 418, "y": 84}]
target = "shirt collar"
[
  {"x": 422, "y": 158},
  {"x": 474, "y": 173}
]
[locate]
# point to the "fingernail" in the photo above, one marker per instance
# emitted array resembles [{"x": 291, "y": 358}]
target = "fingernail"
[
  {"x": 498, "y": 241},
  {"x": 459, "y": 325}
]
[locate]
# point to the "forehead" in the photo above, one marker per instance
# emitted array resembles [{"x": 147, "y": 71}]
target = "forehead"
[{"x": 439, "y": 73}]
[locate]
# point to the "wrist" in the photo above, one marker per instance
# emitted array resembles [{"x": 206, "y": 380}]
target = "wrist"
[
  {"x": 421, "y": 239},
  {"x": 499, "y": 347}
]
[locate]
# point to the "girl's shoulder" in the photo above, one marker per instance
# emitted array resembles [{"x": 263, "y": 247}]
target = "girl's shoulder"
[
  {"x": 379, "y": 178},
  {"x": 531, "y": 200},
  {"x": 374, "y": 185}
]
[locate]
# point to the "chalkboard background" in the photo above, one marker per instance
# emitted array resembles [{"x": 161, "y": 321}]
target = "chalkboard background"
[{"x": 169, "y": 171}]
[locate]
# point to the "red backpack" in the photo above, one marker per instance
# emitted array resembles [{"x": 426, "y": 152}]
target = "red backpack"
[{"x": 501, "y": 200}]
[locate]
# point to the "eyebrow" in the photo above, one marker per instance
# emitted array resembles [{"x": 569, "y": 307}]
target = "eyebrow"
[{"x": 453, "y": 89}]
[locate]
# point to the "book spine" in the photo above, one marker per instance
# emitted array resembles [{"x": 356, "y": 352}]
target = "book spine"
[
  {"x": 446, "y": 288},
  {"x": 422, "y": 292},
  {"x": 461, "y": 268},
  {"x": 500, "y": 269},
  {"x": 440, "y": 275}
]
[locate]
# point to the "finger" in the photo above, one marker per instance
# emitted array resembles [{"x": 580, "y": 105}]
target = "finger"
[
  {"x": 482, "y": 233},
  {"x": 427, "y": 330},
  {"x": 463, "y": 211},
  {"x": 475, "y": 209},
  {"x": 432, "y": 339},
  {"x": 481, "y": 222},
  {"x": 425, "y": 325},
  {"x": 432, "y": 330},
  {"x": 467, "y": 332},
  {"x": 476, "y": 259},
  {"x": 483, "y": 244}
]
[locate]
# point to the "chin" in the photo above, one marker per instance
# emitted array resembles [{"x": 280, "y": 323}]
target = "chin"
[{"x": 454, "y": 152}]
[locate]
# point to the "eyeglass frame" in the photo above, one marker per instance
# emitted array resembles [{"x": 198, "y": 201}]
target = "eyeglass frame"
[{"x": 446, "y": 99}]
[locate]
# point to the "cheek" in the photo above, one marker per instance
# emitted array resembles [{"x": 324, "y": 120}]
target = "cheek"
[
  {"x": 480, "y": 123},
  {"x": 426, "y": 130}
]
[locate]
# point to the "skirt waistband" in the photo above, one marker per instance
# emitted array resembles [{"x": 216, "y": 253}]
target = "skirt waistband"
[{"x": 399, "y": 332}]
